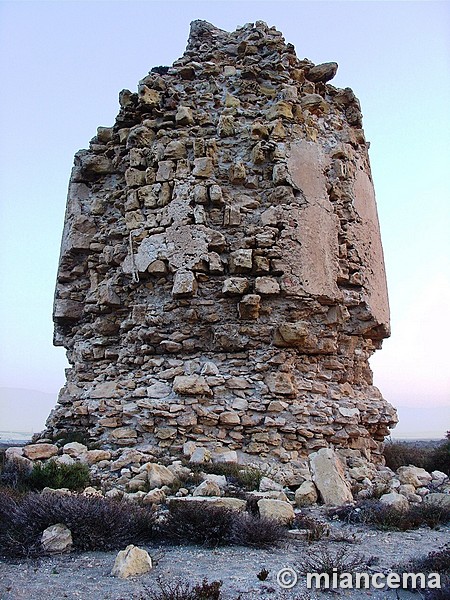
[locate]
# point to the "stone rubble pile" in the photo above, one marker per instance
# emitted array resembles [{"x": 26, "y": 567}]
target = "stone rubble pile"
[{"x": 221, "y": 282}]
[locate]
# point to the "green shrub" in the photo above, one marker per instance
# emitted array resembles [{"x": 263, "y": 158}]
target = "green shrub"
[
  {"x": 53, "y": 475},
  {"x": 247, "y": 478},
  {"x": 96, "y": 523},
  {"x": 440, "y": 457}
]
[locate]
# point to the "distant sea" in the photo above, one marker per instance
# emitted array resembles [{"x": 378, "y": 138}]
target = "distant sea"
[{"x": 15, "y": 437}]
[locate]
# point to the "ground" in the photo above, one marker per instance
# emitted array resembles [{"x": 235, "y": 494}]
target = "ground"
[{"x": 87, "y": 576}]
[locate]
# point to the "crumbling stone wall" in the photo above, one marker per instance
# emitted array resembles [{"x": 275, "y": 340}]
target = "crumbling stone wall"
[{"x": 221, "y": 277}]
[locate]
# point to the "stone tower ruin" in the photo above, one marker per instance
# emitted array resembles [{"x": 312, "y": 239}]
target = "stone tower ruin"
[{"x": 221, "y": 278}]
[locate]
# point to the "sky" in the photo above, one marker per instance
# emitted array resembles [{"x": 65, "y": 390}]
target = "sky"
[{"x": 62, "y": 65}]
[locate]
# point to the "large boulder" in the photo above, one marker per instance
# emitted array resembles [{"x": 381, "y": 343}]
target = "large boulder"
[
  {"x": 131, "y": 561},
  {"x": 219, "y": 502},
  {"x": 412, "y": 475},
  {"x": 159, "y": 475},
  {"x": 207, "y": 488},
  {"x": 306, "y": 494},
  {"x": 397, "y": 501},
  {"x": 56, "y": 539},
  {"x": 328, "y": 475},
  {"x": 40, "y": 451},
  {"x": 276, "y": 510}
]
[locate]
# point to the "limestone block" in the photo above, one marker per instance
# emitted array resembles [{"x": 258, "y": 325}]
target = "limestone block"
[
  {"x": 235, "y": 286},
  {"x": 97, "y": 164},
  {"x": 280, "y": 383},
  {"x": 267, "y": 286},
  {"x": 226, "y": 126},
  {"x": 280, "y": 110},
  {"x": 328, "y": 475},
  {"x": 74, "y": 449},
  {"x": 229, "y": 456},
  {"x": 121, "y": 433},
  {"x": 200, "y": 456},
  {"x": 184, "y": 284},
  {"x": 203, "y": 167},
  {"x": 237, "y": 172},
  {"x": 69, "y": 310},
  {"x": 412, "y": 475},
  {"x": 249, "y": 307},
  {"x": 267, "y": 485},
  {"x": 184, "y": 116},
  {"x": 155, "y": 496},
  {"x": 229, "y": 418},
  {"x": 92, "y": 457},
  {"x": 241, "y": 260},
  {"x": 438, "y": 498},
  {"x": 323, "y": 72},
  {"x": 40, "y": 451},
  {"x": 276, "y": 510},
  {"x": 221, "y": 502},
  {"x": 158, "y": 475},
  {"x": 149, "y": 97},
  {"x": 175, "y": 150},
  {"x": 166, "y": 170},
  {"x": 207, "y": 488},
  {"x": 397, "y": 501},
  {"x": 158, "y": 390},
  {"x": 292, "y": 334},
  {"x": 56, "y": 539},
  {"x": 306, "y": 494},
  {"x": 131, "y": 561},
  {"x": 191, "y": 385}
]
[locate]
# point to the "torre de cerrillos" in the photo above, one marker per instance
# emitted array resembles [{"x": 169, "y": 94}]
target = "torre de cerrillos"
[{"x": 221, "y": 283}]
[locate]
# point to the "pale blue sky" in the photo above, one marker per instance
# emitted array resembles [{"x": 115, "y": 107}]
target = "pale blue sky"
[{"x": 62, "y": 65}]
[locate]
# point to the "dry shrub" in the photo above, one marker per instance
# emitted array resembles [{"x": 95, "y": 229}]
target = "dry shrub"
[
  {"x": 316, "y": 529},
  {"x": 195, "y": 523},
  {"x": 382, "y": 516},
  {"x": 257, "y": 532},
  {"x": 183, "y": 590},
  {"x": 325, "y": 560},
  {"x": 96, "y": 523},
  {"x": 431, "y": 458}
]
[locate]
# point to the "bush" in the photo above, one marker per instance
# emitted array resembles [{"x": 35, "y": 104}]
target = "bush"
[
  {"x": 17, "y": 475},
  {"x": 247, "y": 478},
  {"x": 217, "y": 526},
  {"x": 257, "y": 532},
  {"x": 186, "y": 591},
  {"x": 96, "y": 523},
  {"x": 399, "y": 454},
  {"x": 329, "y": 561},
  {"x": 316, "y": 529},
  {"x": 437, "y": 561},
  {"x": 382, "y": 516},
  {"x": 195, "y": 523},
  {"x": 51, "y": 474}
]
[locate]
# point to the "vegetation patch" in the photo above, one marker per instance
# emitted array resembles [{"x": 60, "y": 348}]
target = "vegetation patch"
[
  {"x": 96, "y": 523},
  {"x": 382, "y": 516}
]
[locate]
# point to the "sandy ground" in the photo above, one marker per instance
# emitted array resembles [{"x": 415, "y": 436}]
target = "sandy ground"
[{"x": 87, "y": 576}]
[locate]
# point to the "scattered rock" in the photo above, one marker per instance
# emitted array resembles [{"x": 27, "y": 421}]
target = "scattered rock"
[
  {"x": 328, "y": 476},
  {"x": 131, "y": 561},
  {"x": 56, "y": 539}
]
